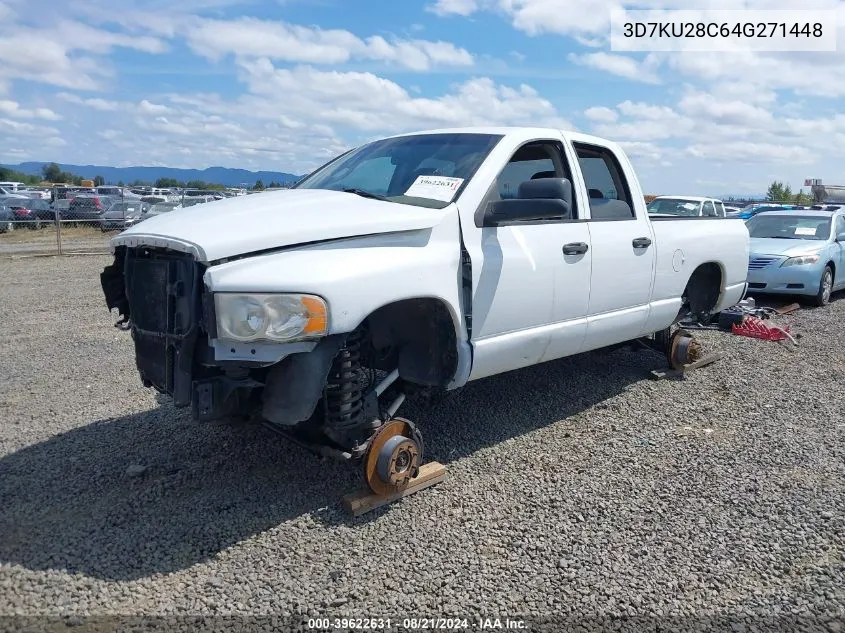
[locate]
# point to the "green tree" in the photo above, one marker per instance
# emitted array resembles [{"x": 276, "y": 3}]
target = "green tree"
[
  {"x": 99, "y": 181},
  {"x": 274, "y": 185},
  {"x": 12, "y": 175},
  {"x": 167, "y": 183},
  {"x": 120, "y": 183},
  {"x": 52, "y": 172},
  {"x": 803, "y": 198},
  {"x": 778, "y": 192},
  {"x": 259, "y": 186}
]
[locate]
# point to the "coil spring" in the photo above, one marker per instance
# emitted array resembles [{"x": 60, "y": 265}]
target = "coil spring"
[{"x": 344, "y": 395}]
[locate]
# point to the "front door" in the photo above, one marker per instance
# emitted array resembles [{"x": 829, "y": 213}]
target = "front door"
[{"x": 529, "y": 296}]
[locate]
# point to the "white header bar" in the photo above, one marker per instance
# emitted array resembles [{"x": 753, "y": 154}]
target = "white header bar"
[{"x": 811, "y": 30}]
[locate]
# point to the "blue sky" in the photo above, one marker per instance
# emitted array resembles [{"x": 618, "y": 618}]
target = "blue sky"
[{"x": 286, "y": 84}]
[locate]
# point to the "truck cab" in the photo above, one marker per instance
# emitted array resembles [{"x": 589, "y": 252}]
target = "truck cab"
[{"x": 405, "y": 267}]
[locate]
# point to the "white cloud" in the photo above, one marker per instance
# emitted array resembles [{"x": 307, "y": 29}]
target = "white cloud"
[
  {"x": 365, "y": 101},
  {"x": 279, "y": 41},
  {"x": 153, "y": 108},
  {"x": 601, "y": 114},
  {"x": 28, "y": 135},
  {"x": 619, "y": 65},
  {"x": 563, "y": 17},
  {"x": 98, "y": 104},
  {"x": 714, "y": 130},
  {"x": 454, "y": 7},
  {"x": 276, "y": 122},
  {"x": 746, "y": 151},
  {"x": 639, "y": 149},
  {"x": 14, "y": 110}
]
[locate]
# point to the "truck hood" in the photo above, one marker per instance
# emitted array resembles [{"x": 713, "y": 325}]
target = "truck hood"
[
  {"x": 784, "y": 248},
  {"x": 264, "y": 221}
]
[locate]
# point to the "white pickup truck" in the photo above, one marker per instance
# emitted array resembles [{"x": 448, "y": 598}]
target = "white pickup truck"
[{"x": 407, "y": 266}]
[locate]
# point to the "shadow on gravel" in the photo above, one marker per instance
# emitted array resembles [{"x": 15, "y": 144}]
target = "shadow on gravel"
[{"x": 79, "y": 501}]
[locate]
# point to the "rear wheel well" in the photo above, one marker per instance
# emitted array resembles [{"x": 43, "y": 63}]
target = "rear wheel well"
[
  {"x": 703, "y": 289},
  {"x": 418, "y": 337}
]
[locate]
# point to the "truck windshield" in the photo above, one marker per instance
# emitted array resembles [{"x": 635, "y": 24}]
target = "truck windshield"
[
  {"x": 789, "y": 227},
  {"x": 674, "y": 206},
  {"x": 426, "y": 170}
]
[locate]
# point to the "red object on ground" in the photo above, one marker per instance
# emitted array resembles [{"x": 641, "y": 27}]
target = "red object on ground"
[{"x": 756, "y": 328}]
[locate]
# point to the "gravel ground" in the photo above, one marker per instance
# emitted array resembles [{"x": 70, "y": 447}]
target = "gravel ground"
[{"x": 579, "y": 488}]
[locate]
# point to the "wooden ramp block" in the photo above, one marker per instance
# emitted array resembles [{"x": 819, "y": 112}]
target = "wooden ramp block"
[
  {"x": 363, "y": 501},
  {"x": 675, "y": 374}
]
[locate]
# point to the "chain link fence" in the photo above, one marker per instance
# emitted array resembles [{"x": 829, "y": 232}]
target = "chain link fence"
[{"x": 66, "y": 220}]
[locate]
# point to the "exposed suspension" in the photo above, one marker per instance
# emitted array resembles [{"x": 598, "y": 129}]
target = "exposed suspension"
[{"x": 344, "y": 392}]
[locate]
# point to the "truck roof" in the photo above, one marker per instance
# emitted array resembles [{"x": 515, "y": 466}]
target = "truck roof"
[{"x": 518, "y": 132}]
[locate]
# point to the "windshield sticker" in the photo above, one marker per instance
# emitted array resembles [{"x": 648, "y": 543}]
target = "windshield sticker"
[
  {"x": 805, "y": 230},
  {"x": 441, "y": 188}
]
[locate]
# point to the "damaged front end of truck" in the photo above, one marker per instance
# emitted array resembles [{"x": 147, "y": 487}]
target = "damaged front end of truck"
[{"x": 335, "y": 394}]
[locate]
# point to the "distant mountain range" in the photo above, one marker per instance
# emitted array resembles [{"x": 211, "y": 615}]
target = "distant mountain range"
[{"x": 216, "y": 175}]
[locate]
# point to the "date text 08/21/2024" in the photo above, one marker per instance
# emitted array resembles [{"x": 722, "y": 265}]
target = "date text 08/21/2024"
[{"x": 415, "y": 624}]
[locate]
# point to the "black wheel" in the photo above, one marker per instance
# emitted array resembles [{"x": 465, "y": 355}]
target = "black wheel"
[{"x": 822, "y": 298}]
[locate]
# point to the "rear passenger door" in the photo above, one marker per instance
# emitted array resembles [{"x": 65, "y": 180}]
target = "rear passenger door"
[{"x": 623, "y": 252}]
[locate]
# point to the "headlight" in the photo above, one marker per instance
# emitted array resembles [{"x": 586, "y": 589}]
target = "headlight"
[
  {"x": 278, "y": 317},
  {"x": 801, "y": 261}
]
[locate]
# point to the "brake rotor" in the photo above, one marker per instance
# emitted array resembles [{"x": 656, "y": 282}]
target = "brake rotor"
[
  {"x": 393, "y": 457},
  {"x": 684, "y": 350}
]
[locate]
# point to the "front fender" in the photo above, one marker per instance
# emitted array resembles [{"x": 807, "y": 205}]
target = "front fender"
[{"x": 359, "y": 275}]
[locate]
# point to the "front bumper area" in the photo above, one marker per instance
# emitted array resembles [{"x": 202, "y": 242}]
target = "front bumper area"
[
  {"x": 792, "y": 280},
  {"x": 160, "y": 296}
]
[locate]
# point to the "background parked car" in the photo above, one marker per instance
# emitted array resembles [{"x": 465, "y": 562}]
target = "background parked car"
[
  {"x": 7, "y": 220},
  {"x": 60, "y": 208},
  {"x": 161, "y": 207},
  {"x": 194, "y": 200},
  {"x": 753, "y": 209},
  {"x": 121, "y": 215},
  {"x": 797, "y": 253},
  {"x": 30, "y": 212},
  {"x": 686, "y": 206},
  {"x": 86, "y": 208}
]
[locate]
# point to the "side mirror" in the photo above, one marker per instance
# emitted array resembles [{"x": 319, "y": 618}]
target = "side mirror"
[
  {"x": 540, "y": 199},
  {"x": 840, "y": 237}
]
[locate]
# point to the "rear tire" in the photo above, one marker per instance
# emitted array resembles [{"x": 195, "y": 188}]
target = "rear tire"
[{"x": 822, "y": 298}]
